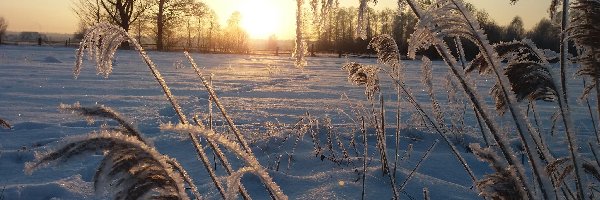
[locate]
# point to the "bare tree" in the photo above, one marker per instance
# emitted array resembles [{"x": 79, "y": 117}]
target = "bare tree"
[
  {"x": 515, "y": 30},
  {"x": 122, "y": 13},
  {"x": 211, "y": 26},
  {"x": 170, "y": 14},
  {"x": 3, "y": 26},
  {"x": 194, "y": 25},
  {"x": 89, "y": 12},
  {"x": 272, "y": 42},
  {"x": 235, "y": 35}
]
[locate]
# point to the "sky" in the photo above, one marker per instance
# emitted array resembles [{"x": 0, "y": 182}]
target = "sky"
[{"x": 261, "y": 18}]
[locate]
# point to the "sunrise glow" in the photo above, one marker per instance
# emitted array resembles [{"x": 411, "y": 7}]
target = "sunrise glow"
[{"x": 261, "y": 18}]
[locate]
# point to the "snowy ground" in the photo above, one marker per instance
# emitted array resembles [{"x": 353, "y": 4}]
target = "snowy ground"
[{"x": 257, "y": 91}]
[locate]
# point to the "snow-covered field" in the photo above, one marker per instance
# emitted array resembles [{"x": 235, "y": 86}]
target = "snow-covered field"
[{"x": 265, "y": 95}]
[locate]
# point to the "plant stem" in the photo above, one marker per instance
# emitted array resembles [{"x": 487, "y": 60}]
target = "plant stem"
[
  {"x": 425, "y": 194},
  {"x": 177, "y": 166},
  {"x": 397, "y": 132},
  {"x": 589, "y": 106},
  {"x": 485, "y": 137},
  {"x": 462, "y": 59},
  {"x": 225, "y": 162},
  {"x": 537, "y": 122},
  {"x": 527, "y": 135},
  {"x": 563, "y": 98},
  {"x": 383, "y": 149},
  {"x": 210, "y": 106},
  {"x": 417, "y": 166},
  {"x": 597, "y": 82},
  {"x": 365, "y": 153},
  {"x": 214, "y": 97},
  {"x": 408, "y": 96},
  {"x": 178, "y": 110},
  {"x": 564, "y": 47},
  {"x": 506, "y": 150}
]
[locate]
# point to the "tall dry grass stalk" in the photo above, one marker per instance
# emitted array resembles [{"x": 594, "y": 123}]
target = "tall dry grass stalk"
[
  {"x": 412, "y": 172},
  {"x": 101, "y": 42},
  {"x": 213, "y": 95},
  {"x": 388, "y": 56},
  {"x": 130, "y": 170},
  {"x": 249, "y": 159},
  {"x": 464, "y": 26},
  {"x": 382, "y": 144},
  {"x": 526, "y": 74},
  {"x": 363, "y": 130},
  {"x": 131, "y": 167}
]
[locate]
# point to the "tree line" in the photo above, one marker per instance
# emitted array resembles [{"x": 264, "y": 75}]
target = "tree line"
[
  {"x": 192, "y": 25},
  {"x": 335, "y": 32},
  {"x": 169, "y": 24}
]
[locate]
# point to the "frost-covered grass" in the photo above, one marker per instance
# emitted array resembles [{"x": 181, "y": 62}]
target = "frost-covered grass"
[
  {"x": 264, "y": 104},
  {"x": 32, "y": 90},
  {"x": 299, "y": 130}
]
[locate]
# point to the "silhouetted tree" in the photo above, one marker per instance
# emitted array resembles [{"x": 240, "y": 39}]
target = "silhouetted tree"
[
  {"x": 123, "y": 12},
  {"x": 193, "y": 22},
  {"x": 3, "y": 26},
  {"x": 236, "y": 38},
  {"x": 118, "y": 12},
  {"x": 80, "y": 33},
  {"x": 545, "y": 35},
  {"x": 272, "y": 42},
  {"x": 169, "y": 15},
  {"x": 515, "y": 30},
  {"x": 337, "y": 32},
  {"x": 89, "y": 12},
  {"x": 212, "y": 31}
]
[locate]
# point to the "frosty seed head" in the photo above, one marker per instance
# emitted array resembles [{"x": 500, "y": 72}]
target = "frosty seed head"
[{"x": 366, "y": 75}]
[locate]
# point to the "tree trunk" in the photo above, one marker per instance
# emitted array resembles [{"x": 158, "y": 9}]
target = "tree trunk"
[
  {"x": 160, "y": 25},
  {"x": 125, "y": 26}
]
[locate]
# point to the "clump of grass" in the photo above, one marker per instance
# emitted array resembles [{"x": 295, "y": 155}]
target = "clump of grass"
[
  {"x": 131, "y": 168},
  {"x": 525, "y": 76},
  {"x": 504, "y": 183},
  {"x": 100, "y": 42}
]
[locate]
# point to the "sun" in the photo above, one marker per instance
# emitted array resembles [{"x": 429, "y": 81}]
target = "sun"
[{"x": 261, "y": 18}]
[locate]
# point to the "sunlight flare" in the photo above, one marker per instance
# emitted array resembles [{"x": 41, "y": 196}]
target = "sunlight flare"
[{"x": 261, "y": 18}]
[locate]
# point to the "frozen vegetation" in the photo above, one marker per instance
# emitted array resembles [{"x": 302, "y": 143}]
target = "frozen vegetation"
[
  {"x": 266, "y": 96},
  {"x": 264, "y": 127}
]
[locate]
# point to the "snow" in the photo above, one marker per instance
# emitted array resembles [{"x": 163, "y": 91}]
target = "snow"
[{"x": 256, "y": 91}]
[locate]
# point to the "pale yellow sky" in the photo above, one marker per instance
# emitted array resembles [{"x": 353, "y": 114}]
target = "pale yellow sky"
[{"x": 271, "y": 16}]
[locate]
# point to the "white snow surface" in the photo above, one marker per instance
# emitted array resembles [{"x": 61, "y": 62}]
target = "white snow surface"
[{"x": 256, "y": 90}]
